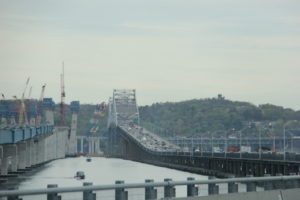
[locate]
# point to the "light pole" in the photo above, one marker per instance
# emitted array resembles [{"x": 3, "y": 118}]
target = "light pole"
[
  {"x": 201, "y": 146},
  {"x": 259, "y": 132},
  {"x": 240, "y": 144},
  {"x": 292, "y": 139},
  {"x": 226, "y": 144},
  {"x": 241, "y": 140},
  {"x": 292, "y": 143},
  {"x": 283, "y": 142},
  {"x": 212, "y": 145}
]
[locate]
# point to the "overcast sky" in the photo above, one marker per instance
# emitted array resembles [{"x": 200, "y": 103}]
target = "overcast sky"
[{"x": 168, "y": 50}]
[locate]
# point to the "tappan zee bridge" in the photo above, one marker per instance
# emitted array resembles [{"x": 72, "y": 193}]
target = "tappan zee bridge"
[{"x": 128, "y": 140}]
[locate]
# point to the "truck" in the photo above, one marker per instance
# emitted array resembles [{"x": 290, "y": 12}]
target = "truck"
[{"x": 246, "y": 149}]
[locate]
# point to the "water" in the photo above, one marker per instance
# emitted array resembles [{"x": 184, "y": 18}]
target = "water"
[{"x": 102, "y": 171}]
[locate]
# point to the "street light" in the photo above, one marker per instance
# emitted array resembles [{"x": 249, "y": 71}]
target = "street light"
[
  {"x": 259, "y": 132},
  {"x": 241, "y": 139},
  {"x": 226, "y": 144},
  {"x": 201, "y": 146},
  {"x": 284, "y": 143},
  {"x": 292, "y": 138},
  {"x": 212, "y": 145}
]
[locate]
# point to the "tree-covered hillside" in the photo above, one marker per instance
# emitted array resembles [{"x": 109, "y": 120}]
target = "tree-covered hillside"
[{"x": 199, "y": 117}]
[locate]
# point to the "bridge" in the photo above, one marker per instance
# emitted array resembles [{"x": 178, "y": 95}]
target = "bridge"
[
  {"x": 30, "y": 144},
  {"x": 26, "y": 147},
  {"x": 127, "y": 139}
]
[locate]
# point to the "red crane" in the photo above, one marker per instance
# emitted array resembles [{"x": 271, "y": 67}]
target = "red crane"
[{"x": 63, "y": 95}]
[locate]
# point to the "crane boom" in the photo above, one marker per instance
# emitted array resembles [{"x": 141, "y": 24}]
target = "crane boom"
[
  {"x": 26, "y": 85},
  {"x": 42, "y": 93},
  {"x": 39, "y": 107},
  {"x": 29, "y": 93}
]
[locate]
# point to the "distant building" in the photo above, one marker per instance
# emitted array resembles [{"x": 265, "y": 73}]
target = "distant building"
[{"x": 220, "y": 97}]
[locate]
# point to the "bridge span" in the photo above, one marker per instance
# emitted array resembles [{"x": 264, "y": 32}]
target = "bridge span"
[
  {"x": 127, "y": 139},
  {"x": 24, "y": 146}
]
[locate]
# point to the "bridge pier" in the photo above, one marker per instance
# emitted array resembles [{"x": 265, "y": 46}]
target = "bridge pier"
[
  {"x": 10, "y": 159},
  {"x": 22, "y": 155},
  {"x": 72, "y": 139},
  {"x": 41, "y": 149},
  {"x": 33, "y": 151},
  {"x": 50, "y": 147},
  {"x": 28, "y": 154}
]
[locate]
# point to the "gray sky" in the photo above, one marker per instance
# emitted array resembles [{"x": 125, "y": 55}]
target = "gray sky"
[{"x": 169, "y": 50}]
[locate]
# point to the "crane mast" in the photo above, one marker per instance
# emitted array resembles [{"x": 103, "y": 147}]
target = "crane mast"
[
  {"x": 22, "y": 108},
  {"x": 63, "y": 95},
  {"x": 39, "y": 107}
]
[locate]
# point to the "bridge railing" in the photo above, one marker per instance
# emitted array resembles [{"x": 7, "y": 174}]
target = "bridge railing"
[
  {"x": 17, "y": 134},
  {"x": 121, "y": 189},
  {"x": 293, "y": 157}
]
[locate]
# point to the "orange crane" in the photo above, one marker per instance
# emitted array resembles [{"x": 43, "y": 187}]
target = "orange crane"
[
  {"x": 39, "y": 107},
  {"x": 21, "y": 106}
]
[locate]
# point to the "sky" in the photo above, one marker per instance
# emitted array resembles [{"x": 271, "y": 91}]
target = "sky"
[{"x": 168, "y": 50}]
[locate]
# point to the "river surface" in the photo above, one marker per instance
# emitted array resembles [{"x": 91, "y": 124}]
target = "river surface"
[{"x": 102, "y": 171}]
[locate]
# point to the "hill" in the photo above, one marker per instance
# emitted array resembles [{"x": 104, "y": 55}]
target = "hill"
[
  {"x": 203, "y": 116},
  {"x": 200, "y": 117}
]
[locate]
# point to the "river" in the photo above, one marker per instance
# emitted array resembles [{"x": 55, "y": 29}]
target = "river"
[{"x": 101, "y": 171}]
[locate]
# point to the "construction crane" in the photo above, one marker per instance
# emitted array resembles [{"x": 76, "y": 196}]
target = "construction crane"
[
  {"x": 29, "y": 93},
  {"x": 20, "y": 110},
  {"x": 21, "y": 105},
  {"x": 39, "y": 107},
  {"x": 93, "y": 125},
  {"x": 26, "y": 85},
  {"x": 63, "y": 95}
]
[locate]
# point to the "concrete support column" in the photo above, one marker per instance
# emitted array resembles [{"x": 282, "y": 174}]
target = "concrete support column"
[
  {"x": 72, "y": 140},
  {"x": 10, "y": 158},
  {"x": 50, "y": 147},
  {"x": 33, "y": 151},
  {"x": 94, "y": 146},
  {"x": 61, "y": 141},
  {"x": 22, "y": 154},
  {"x": 97, "y": 146},
  {"x": 40, "y": 149},
  {"x": 90, "y": 146},
  {"x": 81, "y": 145},
  {"x": 28, "y": 158}
]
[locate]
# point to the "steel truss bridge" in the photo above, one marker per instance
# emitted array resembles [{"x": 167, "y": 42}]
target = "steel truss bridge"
[{"x": 128, "y": 140}]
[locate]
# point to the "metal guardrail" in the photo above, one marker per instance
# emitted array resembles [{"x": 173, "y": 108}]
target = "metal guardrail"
[
  {"x": 172, "y": 151},
  {"x": 267, "y": 182}
]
